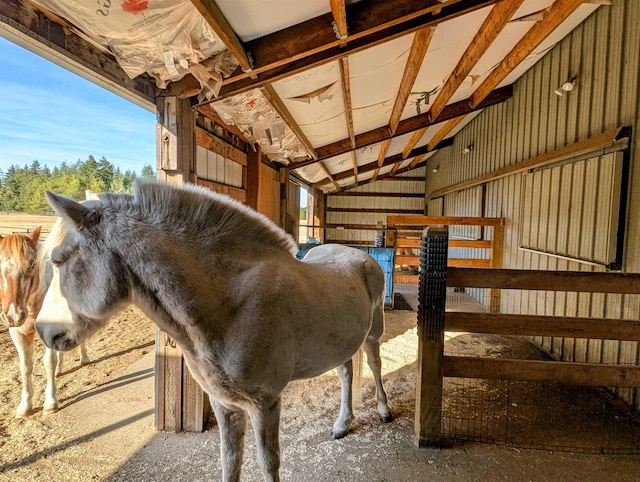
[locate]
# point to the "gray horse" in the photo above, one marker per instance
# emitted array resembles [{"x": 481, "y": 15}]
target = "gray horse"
[{"x": 223, "y": 282}]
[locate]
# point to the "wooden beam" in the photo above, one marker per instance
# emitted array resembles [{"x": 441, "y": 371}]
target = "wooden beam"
[
  {"x": 444, "y": 130},
  {"x": 415, "y": 137},
  {"x": 313, "y": 42},
  {"x": 346, "y": 92},
  {"x": 590, "y": 144},
  {"x": 372, "y": 166},
  {"x": 276, "y": 102},
  {"x": 420, "y": 45},
  {"x": 30, "y": 27},
  {"x": 354, "y": 162},
  {"x": 537, "y": 325},
  {"x": 553, "y": 17},
  {"x": 524, "y": 279},
  {"x": 382, "y": 153},
  {"x": 329, "y": 176},
  {"x": 406, "y": 126},
  {"x": 416, "y": 160},
  {"x": 393, "y": 221},
  {"x": 217, "y": 21},
  {"x": 533, "y": 370},
  {"x": 339, "y": 12},
  {"x": 491, "y": 27}
]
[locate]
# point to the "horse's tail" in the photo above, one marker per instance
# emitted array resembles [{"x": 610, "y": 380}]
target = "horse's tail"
[{"x": 357, "y": 362}]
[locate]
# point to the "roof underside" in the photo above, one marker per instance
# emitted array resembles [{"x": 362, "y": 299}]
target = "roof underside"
[{"x": 342, "y": 92}]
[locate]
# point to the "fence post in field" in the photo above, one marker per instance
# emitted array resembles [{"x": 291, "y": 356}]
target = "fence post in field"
[{"x": 432, "y": 295}]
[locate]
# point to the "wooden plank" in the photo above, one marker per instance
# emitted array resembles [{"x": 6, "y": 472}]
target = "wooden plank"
[
  {"x": 276, "y": 102},
  {"x": 493, "y": 24},
  {"x": 406, "y": 126},
  {"x": 409, "y": 279},
  {"x": 552, "y": 18},
  {"x": 523, "y": 279},
  {"x": 376, "y": 210},
  {"x": 533, "y": 370},
  {"x": 420, "y": 45},
  {"x": 539, "y": 325},
  {"x": 470, "y": 263},
  {"x": 217, "y": 21},
  {"x": 590, "y": 144},
  {"x": 393, "y": 221},
  {"x": 212, "y": 143},
  {"x": 313, "y": 42},
  {"x": 339, "y": 12},
  {"x": 346, "y": 92},
  {"x": 443, "y": 131},
  {"x": 235, "y": 192},
  {"x": 408, "y": 260}
]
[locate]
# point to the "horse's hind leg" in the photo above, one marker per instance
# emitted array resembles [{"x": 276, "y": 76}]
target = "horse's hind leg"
[
  {"x": 24, "y": 345},
  {"x": 372, "y": 349},
  {"x": 232, "y": 425},
  {"x": 51, "y": 364},
  {"x": 265, "y": 420},
  {"x": 341, "y": 425}
]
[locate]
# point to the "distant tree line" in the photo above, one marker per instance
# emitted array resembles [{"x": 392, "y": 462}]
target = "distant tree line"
[{"x": 22, "y": 188}]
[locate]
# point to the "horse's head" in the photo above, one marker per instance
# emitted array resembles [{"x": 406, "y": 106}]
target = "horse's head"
[
  {"x": 89, "y": 281},
  {"x": 18, "y": 275}
]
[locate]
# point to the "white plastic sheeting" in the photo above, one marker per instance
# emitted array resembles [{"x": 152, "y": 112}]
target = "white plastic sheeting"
[
  {"x": 255, "y": 116},
  {"x": 165, "y": 38}
]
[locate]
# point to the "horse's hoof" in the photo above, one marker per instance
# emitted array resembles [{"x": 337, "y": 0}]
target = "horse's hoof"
[
  {"x": 23, "y": 413},
  {"x": 50, "y": 410},
  {"x": 337, "y": 435},
  {"x": 84, "y": 363},
  {"x": 387, "y": 419}
]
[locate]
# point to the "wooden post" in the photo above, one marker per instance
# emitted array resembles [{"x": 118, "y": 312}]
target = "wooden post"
[
  {"x": 180, "y": 403},
  {"x": 432, "y": 296},
  {"x": 496, "y": 262}
]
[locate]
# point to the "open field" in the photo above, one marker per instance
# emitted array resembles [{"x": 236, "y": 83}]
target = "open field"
[{"x": 22, "y": 223}]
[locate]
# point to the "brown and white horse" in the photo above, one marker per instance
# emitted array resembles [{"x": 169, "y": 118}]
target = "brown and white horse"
[{"x": 23, "y": 285}]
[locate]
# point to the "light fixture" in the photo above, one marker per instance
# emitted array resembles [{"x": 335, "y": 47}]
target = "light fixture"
[
  {"x": 435, "y": 169},
  {"x": 567, "y": 86},
  {"x": 468, "y": 149}
]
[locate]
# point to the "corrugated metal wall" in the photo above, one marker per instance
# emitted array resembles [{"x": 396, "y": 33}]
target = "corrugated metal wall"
[
  {"x": 604, "y": 55},
  {"x": 355, "y": 213}
]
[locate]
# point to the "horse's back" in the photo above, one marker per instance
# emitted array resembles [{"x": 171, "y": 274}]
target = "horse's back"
[{"x": 341, "y": 257}]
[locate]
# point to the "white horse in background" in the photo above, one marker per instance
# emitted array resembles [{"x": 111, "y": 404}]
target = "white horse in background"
[
  {"x": 223, "y": 282},
  {"x": 23, "y": 284}
]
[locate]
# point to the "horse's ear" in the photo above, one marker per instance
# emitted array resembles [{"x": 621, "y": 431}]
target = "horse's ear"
[
  {"x": 73, "y": 214},
  {"x": 34, "y": 236}
]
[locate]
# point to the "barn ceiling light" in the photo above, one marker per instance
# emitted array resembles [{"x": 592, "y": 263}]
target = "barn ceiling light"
[{"x": 566, "y": 87}]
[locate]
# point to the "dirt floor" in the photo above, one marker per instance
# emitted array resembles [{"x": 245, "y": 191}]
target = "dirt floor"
[{"x": 104, "y": 430}]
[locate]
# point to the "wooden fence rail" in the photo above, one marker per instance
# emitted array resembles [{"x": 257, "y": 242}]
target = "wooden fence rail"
[{"x": 433, "y": 321}]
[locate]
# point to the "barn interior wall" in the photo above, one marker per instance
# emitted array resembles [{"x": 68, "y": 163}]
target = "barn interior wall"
[
  {"x": 603, "y": 53},
  {"x": 353, "y": 216}
]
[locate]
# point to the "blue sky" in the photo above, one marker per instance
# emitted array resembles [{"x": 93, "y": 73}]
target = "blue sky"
[{"x": 53, "y": 115}]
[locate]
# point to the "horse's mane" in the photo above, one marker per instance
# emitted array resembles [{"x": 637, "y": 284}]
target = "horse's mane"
[
  {"x": 15, "y": 246},
  {"x": 195, "y": 209},
  {"x": 188, "y": 208}
]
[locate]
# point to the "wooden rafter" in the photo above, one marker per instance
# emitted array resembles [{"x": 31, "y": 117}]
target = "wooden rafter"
[
  {"x": 217, "y": 21},
  {"x": 553, "y": 17},
  {"x": 354, "y": 162},
  {"x": 329, "y": 176},
  {"x": 277, "y": 103},
  {"x": 416, "y": 160},
  {"x": 346, "y": 92},
  {"x": 405, "y": 127},
  {"x": 443, "y": 131},
  {"x": 372, "y": 166},
  {"x": 413, "y": 140},
  {"x": 419, "y": 46},
  {"x": 384, "y": 147},
  {"x": 311, "y": 43},
  {"x": 339, "y": 12},
  {"x": 488, "y": 32}
]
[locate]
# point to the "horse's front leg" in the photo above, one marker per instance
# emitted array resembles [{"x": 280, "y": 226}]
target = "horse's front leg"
[
  {"x": 51, "y": 367},
  {"x": 265, "y": 420},
  {"x": 232, "y": 425},
  {"x": 341, "y": 425},
  {"x": 84, "y": 358},
  {"x": 24, "y": 345}
]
